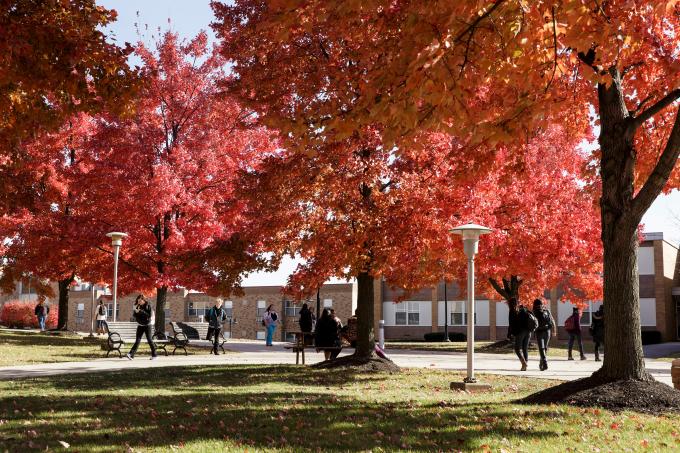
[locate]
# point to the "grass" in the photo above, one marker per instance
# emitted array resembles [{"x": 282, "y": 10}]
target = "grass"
[
  {"x": 288, "y": 408},
  {"x": 25, "y": 348},
  {"x": 558, "y": 348}
]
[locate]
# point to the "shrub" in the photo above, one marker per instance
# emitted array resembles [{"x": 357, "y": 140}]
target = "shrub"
[
  {"x": 439, "y": 336},
  {"x": 16, "y": 313},
  {"x": 651, "y": 337}
]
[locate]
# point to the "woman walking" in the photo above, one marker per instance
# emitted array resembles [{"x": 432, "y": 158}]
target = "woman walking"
[
  {"x": 519, "y": 329},
  {"x": 216, "y": 316},
  {"x": 143, "y": 315},
  {"x": 270, "y": 319},
  {"x": 597, "y": 331},
  {"x": 546, "y": 325}
]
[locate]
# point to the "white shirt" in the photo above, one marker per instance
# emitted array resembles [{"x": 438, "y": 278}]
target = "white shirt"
[{"x": 101, "y": 317}]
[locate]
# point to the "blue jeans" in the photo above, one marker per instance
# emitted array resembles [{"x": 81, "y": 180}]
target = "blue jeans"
[
  {"x": 270, "y": 333},
  {"x": 41, "y": 321}
]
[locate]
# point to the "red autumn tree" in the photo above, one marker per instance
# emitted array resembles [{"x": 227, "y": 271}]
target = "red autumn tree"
[
  {"x": 487, "y": 69},
  {"x": 54, "y": 240},
  {"x": 166, "y": 175},
  {"x": 54, "y": 61}
]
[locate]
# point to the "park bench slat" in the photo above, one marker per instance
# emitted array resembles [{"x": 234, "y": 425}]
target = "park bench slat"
[
  {"x": 184, "y": 332},
  {"x": 120, "y": 333}
]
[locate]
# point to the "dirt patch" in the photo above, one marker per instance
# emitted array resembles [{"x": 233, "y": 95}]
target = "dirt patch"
[
  {"x": 640, "y": 396},
  {"x": 360, "y": 364}
]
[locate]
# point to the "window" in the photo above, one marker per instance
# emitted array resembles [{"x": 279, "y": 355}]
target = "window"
[
  {"x": 290, "y": 308},
  {"x": 228, "y": 308},
  {"x": 197, "y": 309},
  {"x": 27, "y": 287},
  {"x": 261, "y": 307},
  {"x": 327, "y": 303},
  {"x": 407, "y": 314},
  {"x": 458, "y": 314},
  {"x": 290, "y": 337},
  {"x": 109, "y": 311},
  {"x": 260, "y": 335},
  {"x": 80, "y": 313},
  {"x": 226, "y": 334},
  {"x": 168, "y": 314},
  {"x": 585, "y": 314}
]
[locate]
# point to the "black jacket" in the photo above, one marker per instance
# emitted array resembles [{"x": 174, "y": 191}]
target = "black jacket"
[
  {"x": 305, "y": 320},
  {"x": 216, "y": 316},
  {"x": 597, "y": 327},
  {"x": 142, "y": 314},
  {"x": 518, "y": 321},
  {"x": 327, "y": 332},
  {"x": 42, "y": 310}
]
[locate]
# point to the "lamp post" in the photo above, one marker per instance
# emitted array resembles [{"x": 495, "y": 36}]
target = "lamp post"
[
  {"x": 116, "y": 242},
  {"x": 470, "y": 234},
  {"x": 446, "y": 314}
]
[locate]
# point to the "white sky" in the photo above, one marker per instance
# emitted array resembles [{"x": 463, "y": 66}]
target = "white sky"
[{"x": 190, "y": 17}]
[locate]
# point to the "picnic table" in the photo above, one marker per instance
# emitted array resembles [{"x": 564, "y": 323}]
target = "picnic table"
[{"x": 299, "y": 345}]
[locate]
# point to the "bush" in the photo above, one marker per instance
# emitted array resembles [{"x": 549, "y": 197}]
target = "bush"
[
  {"x": 16, "y": 313},
  {"x": 439, "y": 336},
  {"x": 651, "y": 337}
]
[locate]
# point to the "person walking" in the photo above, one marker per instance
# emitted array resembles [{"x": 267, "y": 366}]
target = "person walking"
[
  {"x": 597, "y": 330},
  {"x": 101, "y": 318},
  {"x": 306, "y": 322},
  {"x": 142, "y": 314},
  {"x": 41, "y": 312},
  {"x": 270, "y": 319},
  {"x": 546, "y": 326},
  {"x": 518, "y": 320},
  {"x": 216, "y": 316},
  {"x": 573, "y": 327},
  {"x": 327, "y": 334}
]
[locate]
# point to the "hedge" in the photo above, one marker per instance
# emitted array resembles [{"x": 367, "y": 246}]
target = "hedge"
[
  {"x": 19, "y": 314},
  {"x": 439, "y": 336}
]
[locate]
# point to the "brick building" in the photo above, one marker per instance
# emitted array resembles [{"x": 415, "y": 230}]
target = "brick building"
[{"x": 423, "y": 312}]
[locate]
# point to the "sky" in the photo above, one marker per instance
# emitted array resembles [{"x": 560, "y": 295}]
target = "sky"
[{"x": 188, "y": 17}]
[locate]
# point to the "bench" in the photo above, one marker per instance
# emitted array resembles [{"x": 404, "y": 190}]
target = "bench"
[
  {"x": 299, "y": 346},
  {"x": 120, "y": 333},
  {"x": 183, "y": 332}
]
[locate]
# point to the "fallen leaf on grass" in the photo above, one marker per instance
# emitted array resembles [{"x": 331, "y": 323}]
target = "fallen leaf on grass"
[{"x": 64, "y": 444}]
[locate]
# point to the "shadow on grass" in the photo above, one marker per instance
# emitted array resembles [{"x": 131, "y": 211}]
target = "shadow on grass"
[{"x": 177, "y": 406}]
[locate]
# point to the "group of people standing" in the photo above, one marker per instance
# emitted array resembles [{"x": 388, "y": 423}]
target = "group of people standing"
[
  {"x": 328, "y": 330},
  {"x": 523, "y": 322}
]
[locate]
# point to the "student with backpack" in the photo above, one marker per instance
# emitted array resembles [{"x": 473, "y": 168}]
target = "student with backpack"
[
  {"x": 546, "y": 325},
  {"x": 101, "y": 318},
  {"x": 216, "y": 316},
  {"x": 270, "y": 319},
  {"x": 144, "y": 316},
  {"x": 573, "y": 327},
  {"x": 522, "y": 322}
]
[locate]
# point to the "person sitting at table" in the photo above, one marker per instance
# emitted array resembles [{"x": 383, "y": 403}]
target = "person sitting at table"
[
  {"x": 349, "y": 332},
  {"x": 306, "y": 321},
  {"x": 327, "y": 334}
]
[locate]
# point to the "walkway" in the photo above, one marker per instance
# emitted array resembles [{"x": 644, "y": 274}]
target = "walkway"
[{"x": 251, "y": 353}]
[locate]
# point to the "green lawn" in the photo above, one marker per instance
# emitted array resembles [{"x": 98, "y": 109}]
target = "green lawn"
[
  {"x": 24, "y": 348},
  {"x": 288, "y": 408}
]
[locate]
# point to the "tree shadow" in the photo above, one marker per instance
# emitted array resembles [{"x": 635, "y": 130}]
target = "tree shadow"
[{"x": 207, "y": 405}]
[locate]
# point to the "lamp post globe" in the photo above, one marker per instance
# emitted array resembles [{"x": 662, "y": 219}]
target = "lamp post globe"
[
  {"x": 116, "y": 242},
  {"x": 470, "y": 234}
]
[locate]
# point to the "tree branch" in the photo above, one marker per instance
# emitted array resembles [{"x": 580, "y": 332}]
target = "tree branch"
[
  {"x": 132, "y": 266},
  {"x": 498, "y": 288},
  {"x": 656, "y": 108},
  {"x": 662, "y": 171}
]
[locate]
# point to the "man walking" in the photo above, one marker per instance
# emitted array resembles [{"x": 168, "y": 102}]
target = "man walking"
[
  {"x": 101, "y": 318},
  {"x": 573, "y": 327},
  {"x": 216, "y": 316},
  {"x": 546, "y": 325},
  {"x": 41, "y": 312}
]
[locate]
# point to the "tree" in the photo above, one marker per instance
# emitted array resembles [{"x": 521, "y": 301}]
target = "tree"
[
  {"x": 488, "y": 70},
  {"x": 166, "y": 175},
  {"x": 55, "y": 239},
  {"x": 54, "y": 61}
]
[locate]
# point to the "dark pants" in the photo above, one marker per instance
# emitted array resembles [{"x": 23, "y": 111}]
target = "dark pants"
[
  {"x": 575, "y": 336},
  {"x": 522, "y": 345},
  {"x": 143, "y": 330},
  {"x": 216, "y": 338},
  {"x": 543, "y": 339},
  {"x": 598, "y": 342}
]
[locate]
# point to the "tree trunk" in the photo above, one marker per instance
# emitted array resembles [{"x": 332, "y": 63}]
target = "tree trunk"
[
  {"x": 161, "y": 298},
  {"x": 64, "y": 290},
  {"x": 623, "y": 343},
  {"x": 365, "y": 317}
]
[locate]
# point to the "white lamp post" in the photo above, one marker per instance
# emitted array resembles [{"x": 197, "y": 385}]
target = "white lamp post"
[
  {"x": 470, "y": 234},
  {"x": 116, "y": 242}
]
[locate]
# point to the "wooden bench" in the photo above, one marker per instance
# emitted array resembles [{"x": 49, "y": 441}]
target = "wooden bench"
[
  {"x": 299, "y": 346},
  {"x": 184, "y": 332},
  {"x": 121, "y": 333}
]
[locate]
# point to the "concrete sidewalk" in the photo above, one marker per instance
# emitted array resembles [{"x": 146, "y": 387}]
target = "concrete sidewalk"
[{"x": 255, "y": 353}]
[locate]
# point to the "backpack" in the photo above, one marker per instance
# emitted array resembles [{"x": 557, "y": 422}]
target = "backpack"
[
  {"x": 274, "y": 317},
  {"x": 570, "y": 324},
  {"x": 531, "y": 321},
  {"x": 544, "y": 320}
]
